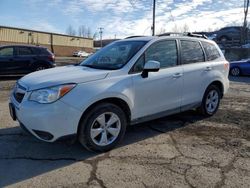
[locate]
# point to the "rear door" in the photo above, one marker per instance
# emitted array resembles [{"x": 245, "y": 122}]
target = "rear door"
[
  {"x": 248, "y": 67},
  {"x": 245, "y": 68},
  {"x": 25, "y": 57},
  {"x": 196, "y": 72},
  {"x": 7, "y": 63}
]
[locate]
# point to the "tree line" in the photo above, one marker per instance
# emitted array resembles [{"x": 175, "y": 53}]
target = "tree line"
[{"x": 82, "y": 31}]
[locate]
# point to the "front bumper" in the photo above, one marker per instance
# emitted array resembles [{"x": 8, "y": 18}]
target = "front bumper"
[{"x": 47, "y": 122}]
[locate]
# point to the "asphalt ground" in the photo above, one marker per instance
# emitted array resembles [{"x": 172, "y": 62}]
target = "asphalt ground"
[{"x": 184, "y": 150}]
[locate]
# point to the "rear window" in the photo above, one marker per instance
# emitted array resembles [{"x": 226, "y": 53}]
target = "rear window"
[
  {"x": 211, "y": 51},
  {"x": 191, "y": 52}
]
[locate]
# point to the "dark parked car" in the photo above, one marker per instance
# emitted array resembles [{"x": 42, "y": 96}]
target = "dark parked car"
[
  {"x": 241, "y": 67},
  {"x": 230, "y": 33},
  {"x": 23, "y": 59}
]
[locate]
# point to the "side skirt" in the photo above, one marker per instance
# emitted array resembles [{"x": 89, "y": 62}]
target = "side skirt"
[{"x": 165, "y": 113}]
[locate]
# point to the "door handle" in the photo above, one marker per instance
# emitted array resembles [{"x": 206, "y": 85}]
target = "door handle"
[
  {"x": 208, "y": 68},
  {"x": 177, "y": 75}
]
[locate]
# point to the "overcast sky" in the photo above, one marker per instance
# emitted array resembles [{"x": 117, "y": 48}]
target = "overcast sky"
[{"x": 120, "y": 17}]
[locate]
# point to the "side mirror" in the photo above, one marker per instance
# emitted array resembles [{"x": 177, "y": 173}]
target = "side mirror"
[{"x": 150, "y": 66}]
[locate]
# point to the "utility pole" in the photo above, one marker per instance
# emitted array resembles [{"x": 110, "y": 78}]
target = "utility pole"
[
  {"x": 101, "y": 31},
  {"x": 244, "y": 33},
  {"x": 153, "y": 25}
]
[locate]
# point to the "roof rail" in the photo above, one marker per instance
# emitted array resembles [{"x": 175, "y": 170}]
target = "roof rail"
[
  {"x": 189, "y": 34},
  {"x": 170, "y": 34},
  {"x": 196, "y": 35},
  {"x": 134, "y": 36}
]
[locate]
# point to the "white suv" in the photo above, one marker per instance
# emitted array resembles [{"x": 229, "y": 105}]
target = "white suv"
[{"x": 127, "y": 82}]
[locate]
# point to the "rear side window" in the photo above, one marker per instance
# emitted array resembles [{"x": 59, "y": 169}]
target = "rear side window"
[
  {"x": 42, "y": 51},
  {"x": 191, "y": 52},
  {"x": 165, "y": 52},
  {"x": 7, "y": 52},
  {"x": 211, "y": 51},
  {"x": 22, "y": 51}
]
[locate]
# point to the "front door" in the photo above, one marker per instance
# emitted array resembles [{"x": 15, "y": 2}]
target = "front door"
[
  {"x": 7, "y": 62},
  {"x": 161, "y": 91}
]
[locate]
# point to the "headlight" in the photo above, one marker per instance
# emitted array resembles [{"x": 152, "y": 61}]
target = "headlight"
[{"x": 49, "y": 95}]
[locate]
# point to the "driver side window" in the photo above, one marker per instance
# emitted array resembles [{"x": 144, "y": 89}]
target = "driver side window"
[
  {"x": 164, "y": 52},
  {"x": 6, "y": 52}
]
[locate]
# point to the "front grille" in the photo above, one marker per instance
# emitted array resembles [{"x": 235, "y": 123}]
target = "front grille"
[{"x": 19, "y": 92}]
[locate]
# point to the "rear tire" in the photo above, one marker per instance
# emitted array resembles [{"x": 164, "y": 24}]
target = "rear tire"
[
  {"x": 102, "y": 128},
  {"x": 40, "y": 67},
  {"x": 210, "y": 101}
]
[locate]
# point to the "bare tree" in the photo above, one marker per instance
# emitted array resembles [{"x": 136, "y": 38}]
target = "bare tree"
[
  {"x": 89, "y": 33},
  {"x": 182, "y": 29},
  {"x": 95, "y": 35},
  {"x": 175, "y": 29},
  {"x": 162, "y": 31},
  {"x": 70, "y": 30},
  {"x": 82, "y": 31},
  {"x": 185, "y": 28}
]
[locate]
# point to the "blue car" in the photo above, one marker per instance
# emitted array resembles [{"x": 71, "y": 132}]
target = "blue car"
[
  {"x": 23, "y": 59},
  {"x": 241, "y": 67}
]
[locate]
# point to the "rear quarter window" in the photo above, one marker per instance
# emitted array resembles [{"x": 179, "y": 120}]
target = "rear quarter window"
[
  {"x": 211, "y": 51},
  {"x": 42, "y": 51}
]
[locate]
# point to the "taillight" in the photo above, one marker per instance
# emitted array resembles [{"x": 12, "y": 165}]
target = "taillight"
[
  {"x": 226, "y": 65},
  {"x": 51, "y": 58}
]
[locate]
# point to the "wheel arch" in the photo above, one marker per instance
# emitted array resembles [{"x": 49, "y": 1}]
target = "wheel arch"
[
  {"x": 36, "y": 64},
  {"x": 218, "y": 84},
  {"x": 113, "y": 100}
]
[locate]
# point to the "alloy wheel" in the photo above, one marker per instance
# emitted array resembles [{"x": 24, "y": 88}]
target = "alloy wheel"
[
  {"x": 212, "y": 101},
  {"x": 105, "y": 129},
  {"x": 40, "y": 68},
  {"x": 235, "y": 71}
]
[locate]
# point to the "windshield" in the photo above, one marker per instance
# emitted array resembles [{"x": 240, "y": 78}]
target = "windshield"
[{"x": 114, "y": 56}]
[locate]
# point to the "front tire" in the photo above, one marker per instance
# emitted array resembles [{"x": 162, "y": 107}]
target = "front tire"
[
  {"x": 102, "y": 128},
  {"x": 210, "y": 101}
]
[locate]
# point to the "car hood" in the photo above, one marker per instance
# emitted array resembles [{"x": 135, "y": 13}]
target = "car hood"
[{"x": 61, "y": 75}]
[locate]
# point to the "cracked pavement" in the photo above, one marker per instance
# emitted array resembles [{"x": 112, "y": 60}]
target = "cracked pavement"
[{"x": 184, "y": 150}]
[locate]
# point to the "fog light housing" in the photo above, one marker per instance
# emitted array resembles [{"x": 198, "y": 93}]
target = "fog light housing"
[{"x": 44, "y": 135}]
